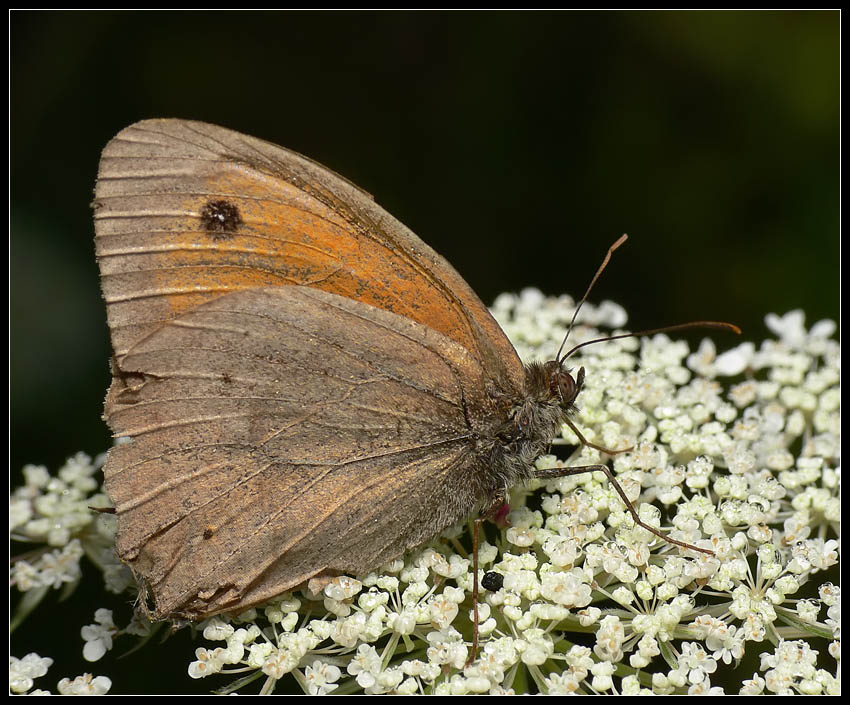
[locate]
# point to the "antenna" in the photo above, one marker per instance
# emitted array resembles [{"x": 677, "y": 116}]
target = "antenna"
[
  {"x": 586, "y": 293},
  {"x": 666, "y": 329},
  {"x": 652, "y": 331}
]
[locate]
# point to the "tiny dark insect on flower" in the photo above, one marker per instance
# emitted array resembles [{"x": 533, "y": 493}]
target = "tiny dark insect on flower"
[{"x": 492, "y": 581}]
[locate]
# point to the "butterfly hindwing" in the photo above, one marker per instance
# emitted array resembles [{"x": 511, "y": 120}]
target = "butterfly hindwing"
[{"x": 284, "y": 433}]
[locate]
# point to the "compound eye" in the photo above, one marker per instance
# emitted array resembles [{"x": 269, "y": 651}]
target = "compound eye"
[{"x": 567, "y": 388}]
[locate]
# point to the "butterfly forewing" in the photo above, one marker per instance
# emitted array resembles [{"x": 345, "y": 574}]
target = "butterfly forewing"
[{"x": 186, "y": 212}]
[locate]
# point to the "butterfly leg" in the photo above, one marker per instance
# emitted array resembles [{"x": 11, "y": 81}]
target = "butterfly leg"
[
  {"x": 580, "y": 470},
  {"x": 494, "y": 510},
  {"x": 601, "y": 449}
]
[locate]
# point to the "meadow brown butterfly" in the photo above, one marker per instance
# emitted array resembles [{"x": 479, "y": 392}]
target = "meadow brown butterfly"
[{"x": 310, "y": 390}]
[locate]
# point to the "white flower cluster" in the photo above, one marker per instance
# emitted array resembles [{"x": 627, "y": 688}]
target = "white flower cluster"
[
  {"x": 54, "y": 515},
  {"x": 51, "y": 509},
  {"x": 23, "y": 671},
  {"x": 55, "y": 512},
  {"x": 590, "y": 602}
]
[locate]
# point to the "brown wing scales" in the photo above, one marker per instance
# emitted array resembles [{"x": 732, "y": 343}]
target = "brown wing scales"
[
  {"x": 336, "y": 421},
  {"x": 162, "y": 254}
]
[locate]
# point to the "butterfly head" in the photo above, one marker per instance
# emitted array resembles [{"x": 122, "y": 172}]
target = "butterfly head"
[{"x": 551, "y": 389}]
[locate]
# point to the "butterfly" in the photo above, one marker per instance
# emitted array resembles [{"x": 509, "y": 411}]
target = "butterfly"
[{"x": 308, "y": 388}]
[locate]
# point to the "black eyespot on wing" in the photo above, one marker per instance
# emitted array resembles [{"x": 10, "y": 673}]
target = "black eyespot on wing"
[{"x": 220, "y": 219}]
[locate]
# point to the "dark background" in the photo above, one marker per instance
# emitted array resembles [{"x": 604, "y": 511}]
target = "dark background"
[{"x": 519, "y": 145}]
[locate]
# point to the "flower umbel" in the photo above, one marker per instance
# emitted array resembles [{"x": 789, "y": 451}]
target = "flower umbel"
[{"x": 736, "y": 452}]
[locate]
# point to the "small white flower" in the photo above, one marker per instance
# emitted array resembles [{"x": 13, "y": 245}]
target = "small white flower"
[
  {"x": 346, "y": 631},
  {"x": 77, "y": 472},
  {"x": 387, "y": 680},
  {"x": 454, "y": 567},
  {"x": 86, "y": 684},
  {"x": 566, "y": 683},
  {"x": 23, "y": 671},
  {"x": 63, "y": 566},
  {"x": 342, "y": 588},
  {"x": 752, "y": 686},
  {"x": 98, "y": 637},
  {"x": 589, "y": 615},
  {"x": 447, "y": 647},
  {"x": 321, "y": 678},
  {"x": 702, "y": 361},
  {"x": 206, "y": 663},
  {"x": 566, "y": 588},
  {"x": 789, "y": 327},
  {"x": 535, "y": 647},
  {"x": 257, "y": 655},
  {"x": 609, "y": 639},
  {"x": 602, "y": 676},
  {"x": 280, "y": 662},
  {"x": 733, "y": 362},
  {"x": 623, "y": 595},
  {"x": 404, "y": 622},
  {"x": 443, "y": 612},
  {"x": 218, "y": 630},
  {"x": 20, "y": 512},
  {"x": 696, "y": 662},
  {"x": 647, "y": 649},
  {"x": 36, "y": 477},
  {"x": 522, "y": 537},
  {"x": 562, "y": 551}
]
